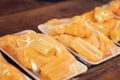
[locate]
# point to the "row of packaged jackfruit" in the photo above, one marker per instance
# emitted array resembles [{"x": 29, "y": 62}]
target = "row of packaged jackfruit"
[{"x": 90, "y": 36}]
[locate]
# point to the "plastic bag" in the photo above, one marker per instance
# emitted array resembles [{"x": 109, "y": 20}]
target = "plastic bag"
[{"x": 41, "y": 54}]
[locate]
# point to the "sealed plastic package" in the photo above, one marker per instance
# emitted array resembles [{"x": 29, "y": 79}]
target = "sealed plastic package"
[
  {"x": 42, "y": 55},
  {"x": 89, "y": 36}
]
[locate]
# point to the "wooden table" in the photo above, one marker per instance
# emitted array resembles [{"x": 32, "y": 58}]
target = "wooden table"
[{"x": 109, "y": 70}]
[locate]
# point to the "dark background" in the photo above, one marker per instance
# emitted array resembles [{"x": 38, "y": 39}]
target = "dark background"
[{"x": 13, "y": 6}]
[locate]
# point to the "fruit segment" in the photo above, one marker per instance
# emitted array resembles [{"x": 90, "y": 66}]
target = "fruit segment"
[
  {"x": 114, "y": 6},
  {"x": 61, "y": 70},
  {"x": 65, "y": 39},
  {"x": 45, "y": 48},
  {"x": 107, "y": 47},
  {"x": 58, "y": 27},
  {"x": 32, "y": 59},
  {"x": 102, "y": 14},
  {"x": 93, "y": 40},
  {"x": 86, "y": 50}
]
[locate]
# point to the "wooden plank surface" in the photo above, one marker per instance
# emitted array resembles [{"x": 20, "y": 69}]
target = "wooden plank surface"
[
  {"x": 14, "y": 6},
  {"x": 109, "y": 70}
]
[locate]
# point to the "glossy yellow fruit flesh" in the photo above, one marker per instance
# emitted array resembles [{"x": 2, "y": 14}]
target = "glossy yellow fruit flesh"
[{"x": 9, "y": 72}]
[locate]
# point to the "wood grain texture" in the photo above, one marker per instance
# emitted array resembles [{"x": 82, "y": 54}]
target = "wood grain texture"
[
  {"x": 109, "y": 70},
  {"x": 14, "y": 6}
]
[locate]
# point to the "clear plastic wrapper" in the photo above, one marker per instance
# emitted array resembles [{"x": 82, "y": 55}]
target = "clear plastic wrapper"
[
  {"x": 90, "y": 36},
  {"x": 86, "y": 51},
  {"x": 8, "y": 71},
  {"x": 41, "y": 56}
]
